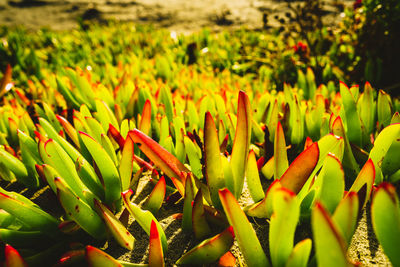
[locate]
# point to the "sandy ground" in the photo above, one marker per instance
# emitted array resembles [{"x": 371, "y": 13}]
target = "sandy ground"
[{"x": 177, "y": 15}]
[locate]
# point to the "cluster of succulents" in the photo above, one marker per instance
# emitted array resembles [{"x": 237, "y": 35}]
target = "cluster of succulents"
[{"x": 308, "y": 155}]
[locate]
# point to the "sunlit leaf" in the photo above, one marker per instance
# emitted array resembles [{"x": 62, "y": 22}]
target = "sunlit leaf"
[{"x": 244, "y": 232}]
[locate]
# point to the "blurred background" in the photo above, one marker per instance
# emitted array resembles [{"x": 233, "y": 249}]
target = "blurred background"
[{"x": 177, "y": 15}]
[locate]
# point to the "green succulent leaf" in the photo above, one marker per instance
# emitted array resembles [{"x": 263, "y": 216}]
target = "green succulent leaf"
[
  {"x": 346, "y": 215},
  {"x": 280, "y": 155},
  {"x": 349, "y": 162},
  {"x": 283, "y": 222},
  {"x": 144, "y": 218},
  {"x": 331, "y": 183},
  {"x": 364, "y": 183},
  {"x": 354, "y": 124},
  {"x": 156, "y": 197},
  {"x": 187, "y": 205},
  {"x": 330, "y": 246},
  {"x": 384, "y": 108},
  {"x": 264, "y": 208},
  {"x": 301, "y": 168},
  {"x": 241, "y": 142},
  {"x": 212, "y": 160},
  {"x": 210, "y": 250},
  {"x": 382, "y": 145},
  {"x": 156, "y": 254},
  {"x": 169, "y": 164},
  {"x": 28, "y": 213},
  {"x": 79, "y": 211},
  {"x": 108, "y": 170},
  {"x": 253, "y": 178},
  {"x": 244, "y": 232},
  {"x": 300, "y": 254},
  {"x": 118, "y": 231},
  {"x": 385, "y": 217},
  {"x": 200, "y": 225},
  {"x": 98, "y": 258}
]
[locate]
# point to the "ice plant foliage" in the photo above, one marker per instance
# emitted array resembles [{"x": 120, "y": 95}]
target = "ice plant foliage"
[{"x": 306, "y": 155}]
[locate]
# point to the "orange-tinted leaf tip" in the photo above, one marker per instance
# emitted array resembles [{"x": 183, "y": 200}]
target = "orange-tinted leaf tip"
[
  {"x": 153, "y": 230},
  {"x": 230, "y": 230},
  {"x": 227, "y": 260},
  {"x": 389, "y": 189}
]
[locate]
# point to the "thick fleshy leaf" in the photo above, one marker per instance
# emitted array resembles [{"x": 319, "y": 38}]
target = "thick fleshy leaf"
[
  {"x": 391, "y": 161},
  {"x": 212, "y": 160},
  {"x": 156, "y": 197},
  {"x": 105, "y": 115},
  {"x": 145, "y": 122},
  {"x": 366, "y": 108},
  {"x": 79, "y": 211},
  {"x": 31, "y": 215},
  {"x": 179, "y": 132},
  {"x": 349, "y": 162},
  {"x": 210, "y": 250},
  {"x": 386, "y": 220},
  {"x": 88, "y": 175},
  {"x": 280, "y": 155},
  {"x": 54, "y": 155},
  {"x": 24, "y": 239},
  {"x": 227, "y": 260},
  {"x": 68, "y": 95},
  {"x": 109, "y": 172},
  {"x": 273, "y": 121},
  {"x": 300, "y": 254},
  {"x": 264, "y": 208},
  {"x": 283, "y": 222},
  {"x": 69, "y": 129},
  {"x": 144, "y": 218},
  {"x": 253, "y": 178},
  {"x": 30, "y": 157},
  {"x": 194, "y": 155},
  {"x": 49, "y": 174},
  {"x": 268, "y": 169},
  {"x": 187, "y": 205},
  {"x": 346, "y": 214},
  {"x": 169, "y": 164},
  {"x": 381, "y": 147},
  {"x": 116, "y": 135},
  {"x": 98, "y": 258},
  {"x": 244, "y": 232},
  {"x": 108, "y": 146},
  {"x": 384, "y": 108},
  {"x": 156, "y": 255},
  {"x": 364, "y": 182},
  {"x": 331, "y": 183},
  {"x": 354, "y": 126},
  {"x": 126, "y": 163},
  {"x": 200, "y": 225},
  {"x": 330, "y": 247},
  {"x": 241, "y": 142},
  {"x": 178, "y": 185},
  {"x": 118, "y": 231},
  {"x": 301, "y": 168},
  {"x": 13, "y": 258},
  {"x": 296, "y": 122},
  {"x": 17, "y": 167}
]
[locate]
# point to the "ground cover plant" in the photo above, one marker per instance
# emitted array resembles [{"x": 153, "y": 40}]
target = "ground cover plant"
[{"x": 204, "y": 120}]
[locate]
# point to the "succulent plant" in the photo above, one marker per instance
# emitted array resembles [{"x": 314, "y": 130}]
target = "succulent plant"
[{"x": 309, "y": 158}]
